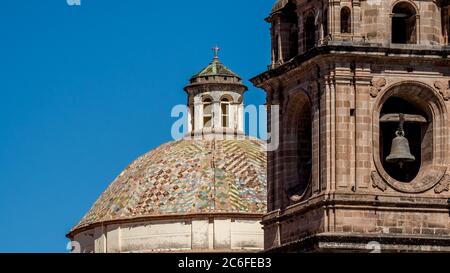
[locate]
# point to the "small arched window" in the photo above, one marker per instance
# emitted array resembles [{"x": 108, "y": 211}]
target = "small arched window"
[
  {"x": 325, "y": 23},
  {"x": 404, "y": 25},
  {"x": 346, "y": 20},
  {"x": 448, "y": 26},
  {"x": 207, "y": 113},
  {"x": 309, "y": 32},
  {"x": 225, "y": 108}
]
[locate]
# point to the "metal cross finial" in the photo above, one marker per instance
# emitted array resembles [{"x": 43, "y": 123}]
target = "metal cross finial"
[{"x": 216, "y": 52}]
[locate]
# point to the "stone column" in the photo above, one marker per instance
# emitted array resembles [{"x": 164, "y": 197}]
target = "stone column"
[
  {"x": 356, "y": 22},
  {"x": 240, "y": 117},
  {"x": 274, "y": 158},
  {"x": 363, "y": 126},
  {"x": 217, "y": 115},
  {"x": 316, "y": 135},
  {"x": 344, "y": 130},
  {"x": 198, "y": 114}
]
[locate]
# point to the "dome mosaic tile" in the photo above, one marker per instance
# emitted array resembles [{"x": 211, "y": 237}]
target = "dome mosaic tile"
[{"x": 187, "y": 177}]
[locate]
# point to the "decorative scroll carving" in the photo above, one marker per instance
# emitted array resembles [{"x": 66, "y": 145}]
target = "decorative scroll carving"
[
  {"x": 443, "y": 88},
  {"x": 444, "y": 185},
  {"x": 377, "y": 85},
  {"x": 378, "y": 182}
]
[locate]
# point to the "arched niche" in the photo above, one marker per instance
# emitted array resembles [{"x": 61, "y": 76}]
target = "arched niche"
[
  {"x": 297, "y": 146},
  {"x": 426, "y": 132}
]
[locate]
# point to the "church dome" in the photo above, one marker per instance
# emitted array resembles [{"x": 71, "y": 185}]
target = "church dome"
[
  {"x": 186, "y": 177},
  {"x": 206, "y": 192}
]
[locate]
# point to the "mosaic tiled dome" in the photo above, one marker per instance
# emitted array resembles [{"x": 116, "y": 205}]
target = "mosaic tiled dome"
[{"x": 187, "y": 177}]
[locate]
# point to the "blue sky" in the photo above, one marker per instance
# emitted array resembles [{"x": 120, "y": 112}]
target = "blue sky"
[{"x": 87, "y": 89}]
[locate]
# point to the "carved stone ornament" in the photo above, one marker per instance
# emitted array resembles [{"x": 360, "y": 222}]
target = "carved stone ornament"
[
  {"x": 444, "y": 185},
  {"x": 443, "y": 88},
  {"x": 377, "y": 85},
  {"x": 378, "y": 182}
]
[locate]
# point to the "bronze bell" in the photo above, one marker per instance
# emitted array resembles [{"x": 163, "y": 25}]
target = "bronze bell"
[{"x": 400, "y": 151}]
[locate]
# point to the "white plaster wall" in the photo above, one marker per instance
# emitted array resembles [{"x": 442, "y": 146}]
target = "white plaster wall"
[
  {"x": 113, "y": 244},
  {"x": 156, "y": 236},
  {"x": 246, "y": 235},
  {"x": 222, "y": 234},
  {"x": 86, "y": 242},
  {"x": 100, "y": 240},
  {"x": 202, "y": 235}
]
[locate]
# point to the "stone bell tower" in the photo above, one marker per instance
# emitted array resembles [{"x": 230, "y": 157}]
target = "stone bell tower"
[{"x": 363, "y": 89}]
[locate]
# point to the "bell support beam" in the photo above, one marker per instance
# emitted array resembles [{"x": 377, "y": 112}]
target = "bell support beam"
[{"x": 407, "y": 118}]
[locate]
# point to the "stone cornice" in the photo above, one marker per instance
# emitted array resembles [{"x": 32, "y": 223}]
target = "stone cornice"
[
  {"x": 366, "y": 50},
  {"x": 360, "y": 201},
  {"x": 329, "y": 241},
  {"x": 207, "y": 87},
  {"x": 181, "y": 217}
]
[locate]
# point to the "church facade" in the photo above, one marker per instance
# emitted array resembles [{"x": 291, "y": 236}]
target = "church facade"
[{"x": 363, "y": 89}]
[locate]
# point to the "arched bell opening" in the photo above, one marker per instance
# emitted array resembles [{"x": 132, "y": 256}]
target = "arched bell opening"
[
  {"x": 404, "y": 24},
  {"x": 346, "y": 20},
  {"x": 309, "y": 35},
  {"x": 325, "y": 23},
  {"x": 290, "y": 18},
  {"x": 404, "y": 130},
  {"x": 285, "y": 33},
  {"x": 425, "y": 117},
  {"x": 448, "y": 26}
]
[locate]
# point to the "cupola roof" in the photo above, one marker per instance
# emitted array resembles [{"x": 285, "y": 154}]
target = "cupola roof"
[{"x": 216, "y": 68}]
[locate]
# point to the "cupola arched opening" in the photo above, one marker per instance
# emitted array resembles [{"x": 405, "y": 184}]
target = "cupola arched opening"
[
  {"x": 207, "y": 112},
  {"x": 404, "y": 24},
  {"x": 225, "y": 103}
]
